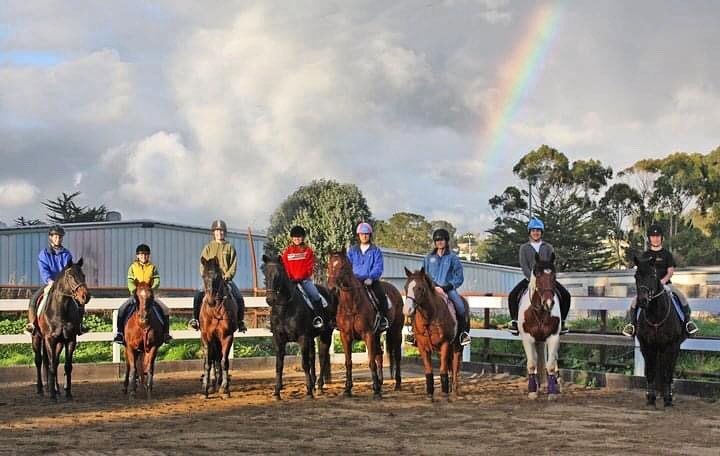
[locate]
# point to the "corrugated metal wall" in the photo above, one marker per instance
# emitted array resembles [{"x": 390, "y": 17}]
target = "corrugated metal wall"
[{"x": 108, "y": 248}]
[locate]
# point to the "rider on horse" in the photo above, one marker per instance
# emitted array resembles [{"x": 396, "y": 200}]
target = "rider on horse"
[
  {"x": 141, "y": 270},
  {"x": 51, "y": 261},
  {"x": 665, "y": 267},
  {"x": 227, "y": 258},
  {"x": 299, "y": 261},
  {"x": 535, "y": 245},
  {"x": 367, "y": 263},
  {"x": 446, "y": 271}
]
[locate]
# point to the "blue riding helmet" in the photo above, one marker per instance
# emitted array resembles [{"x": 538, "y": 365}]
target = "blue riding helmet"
[{"x": 536, "y": 224}]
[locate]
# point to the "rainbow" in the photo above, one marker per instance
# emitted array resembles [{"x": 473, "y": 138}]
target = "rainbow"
[{"x": 518, "y": 75}]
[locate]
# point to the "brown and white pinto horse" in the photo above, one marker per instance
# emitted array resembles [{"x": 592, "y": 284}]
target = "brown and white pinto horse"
[
  {"x": 143, "y": 337},
  {"x": 539, "y": 326},
  {"x": 355, "y": 320},
  {"x": 435, "y": 330}
]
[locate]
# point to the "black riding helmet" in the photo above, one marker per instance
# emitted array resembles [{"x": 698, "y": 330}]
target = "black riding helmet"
[
  {"x": 655, "y": 230},
  {"x": 441, "y": 233},
  {"x": 142, "y": 248},
  {"x": 297, "y": 231}
]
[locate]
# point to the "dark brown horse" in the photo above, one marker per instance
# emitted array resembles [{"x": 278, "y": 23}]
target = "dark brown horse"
[
  {"x": 291, "y": 321},
  {"x": 58, "y": 327},
  {"x": 435, "y": 329},
  {"x": 355, "y": 320},
  {"x": 143, "y": 337},
  {"x": 218, "y": 322}
]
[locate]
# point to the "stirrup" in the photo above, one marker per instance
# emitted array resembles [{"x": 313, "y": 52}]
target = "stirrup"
[
  {"x": 82, "y": 329},
  {"x": 465, "y": 338},
  {"x": 381, "y": 323},
  {"x": 168, "y": 338},
  {"x": 194, "y": 324},
  {"x": 119, "y": 339},
  {"x": 241, "y": 326},
  {"x": 563, "y": 328},
  {"x": 30, "y": 329},
  {"x": 629, "y": 330},
  {"x": 317, "y": 322},
  {"x": 513, "y": 328},
  {"x": 691, "y": 327}
]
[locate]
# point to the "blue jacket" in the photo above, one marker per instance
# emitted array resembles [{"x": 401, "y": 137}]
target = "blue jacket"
[
  {"x": 51, "y": 262},
  {"x": 444, "y": 270},
  {"x": 368, "y": 265}
]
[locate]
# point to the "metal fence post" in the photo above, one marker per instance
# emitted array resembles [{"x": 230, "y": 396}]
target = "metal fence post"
[{"x": 115, "y": 347}]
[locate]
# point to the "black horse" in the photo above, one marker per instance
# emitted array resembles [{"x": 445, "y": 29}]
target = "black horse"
[
  {"x": 291, "y": 321},
  {"x": 58, "y": 327},
  {"x": 659, "y": 331}
]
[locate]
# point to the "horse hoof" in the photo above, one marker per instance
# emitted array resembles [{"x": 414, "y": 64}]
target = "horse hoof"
[
  {"x": 309, "y": 397},
  {"x": 69, "y": 397},
  {"x": 553, "y": 397},
  {"x": 377, "y": 396},
  {"x": 532, "y": 396},
  {"x": 398, "y": 387},
  {"x": 668, "y": 404},
  {"x": 429, "y": 398},
  {"x": 347, "y": 393}
]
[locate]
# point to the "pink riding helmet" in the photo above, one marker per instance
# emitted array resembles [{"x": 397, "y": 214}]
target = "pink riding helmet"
[{"x": 364, "y": 228}]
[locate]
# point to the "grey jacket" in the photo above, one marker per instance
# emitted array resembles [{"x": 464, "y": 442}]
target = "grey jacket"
[{"x": 527, "y": 256}]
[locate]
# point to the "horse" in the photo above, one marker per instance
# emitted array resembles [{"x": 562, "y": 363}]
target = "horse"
[
  {"x": 660, "y": 331},
  {"x": 218, "y": 322},
  {"x": 143, "y": 337},
  {"x": 58, "y": 327},
  {"x": 355, "y": 320},
  {"x": 291, "y": 321},
  {"x": 436, "y": 330},
  {"x": 539, "y": 327}
]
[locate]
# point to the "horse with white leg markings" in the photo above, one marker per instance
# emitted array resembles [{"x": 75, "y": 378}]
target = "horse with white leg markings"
[{"x": 539, "y": 326}]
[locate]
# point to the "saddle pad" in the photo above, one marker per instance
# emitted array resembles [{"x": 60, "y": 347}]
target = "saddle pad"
[
  {"x": 448, "y": 302},
  {"x": 305, "y": 297},
  {"x": 676, "y": 304}
]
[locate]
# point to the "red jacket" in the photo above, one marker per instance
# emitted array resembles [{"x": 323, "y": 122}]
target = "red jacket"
[{"x": 299, "y": 262}]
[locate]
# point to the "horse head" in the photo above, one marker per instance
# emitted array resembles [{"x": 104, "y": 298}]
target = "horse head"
[
  {"x": 144, "y": 294},
  {"x": 647, "y": 282},
  {"x": 544, "y": 274},
  {"x": 71, "y": 282},
  {"x": 418, "y": 290},
  {"x": 213, "y": 282},
  {"x": 339, "y": 270},
  {"x": 277, "y": 282}
]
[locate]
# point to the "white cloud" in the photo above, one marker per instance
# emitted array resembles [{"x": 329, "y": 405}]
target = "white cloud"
[{"x": 16, "y": 193}]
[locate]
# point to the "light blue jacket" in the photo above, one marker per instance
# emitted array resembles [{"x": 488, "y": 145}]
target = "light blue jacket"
[{"x": 444, "y": 270}]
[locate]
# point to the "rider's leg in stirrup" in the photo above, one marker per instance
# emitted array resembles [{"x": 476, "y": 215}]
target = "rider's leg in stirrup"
[
  {"x": 690, "y": 326},
  {"x": 121, "y": 319},
  {"x": 32, "y": 311},
  {"x": 463, "y": 330},
  {"x": 240, "y": 301},
  {"x": 383, "y": 321},
  {"x": 629, "y": 329},
  {"x": 197, "y": 302},
  {"x": 514, "y": 304},
  {"x": 564, "y": 301},
  {"x": 316, "y": 301}
]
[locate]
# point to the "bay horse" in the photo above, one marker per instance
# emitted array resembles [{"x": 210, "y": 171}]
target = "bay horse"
[
  {"x": 436, "y": 330},
  {"x": 143, "y": 337},
  {"x": 355, "y": 319},
  {"x": 539, "y": 327},
  {"x": 58, "y": 327},
  {"x": 218, "y": 322},
  {"x": 660, "y": 331},
  {"x": 291, "y": 321}
]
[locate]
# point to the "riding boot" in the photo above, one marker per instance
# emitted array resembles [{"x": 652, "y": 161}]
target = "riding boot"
[
  {"x": 629, "y": 329},
  {"x": 690, "y": 326},
  {"x": 197, "y": 302},
  {"x": 166, "y": 329},
  {"x": 318, "y": 321},
  {"x": 241, "y": 311},
  {"x": 464, "y": 331},
  {"x": 383, "y": 322},
  {"x": 409, "y": 320}
]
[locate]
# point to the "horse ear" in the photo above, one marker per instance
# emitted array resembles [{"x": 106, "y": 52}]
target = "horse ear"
[
  {"x": 80, "y": 262},
  {"x": 422, "y": 269},
  {"x": 203, "y": 261},
  {"x": 265, "y": 258},
  {"x": 407, "y": 272},
  {"x": 552, "y": 258},
  {"x": 636, "y": 261},
  {"x": 344, "y": 251}
]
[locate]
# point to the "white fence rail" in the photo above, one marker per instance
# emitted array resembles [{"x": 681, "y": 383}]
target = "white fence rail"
[{"x": 477, "y": 305}]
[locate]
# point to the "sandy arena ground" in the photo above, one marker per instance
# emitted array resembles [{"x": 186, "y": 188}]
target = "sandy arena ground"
[{"x": 493, "y": 417}]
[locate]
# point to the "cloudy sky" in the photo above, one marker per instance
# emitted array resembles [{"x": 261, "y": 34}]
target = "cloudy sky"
[{"x": 180, "y": 111}]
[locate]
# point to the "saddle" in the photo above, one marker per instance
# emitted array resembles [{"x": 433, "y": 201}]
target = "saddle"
[{"x": 306, "y": 298}]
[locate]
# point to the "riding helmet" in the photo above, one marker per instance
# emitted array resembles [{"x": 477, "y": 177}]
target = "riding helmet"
[
  {"x": 655, "y": 230},
  {"x": 56, "y": 229},
  {"x": 536, "y": 224},
  {"x": 298, "y": 231},
  {"x": 441, "y": 233},
  {"x": 218, "y": 225},
  {"x": 364, "y": 228},
  {"x": 142, "y": 248}
]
